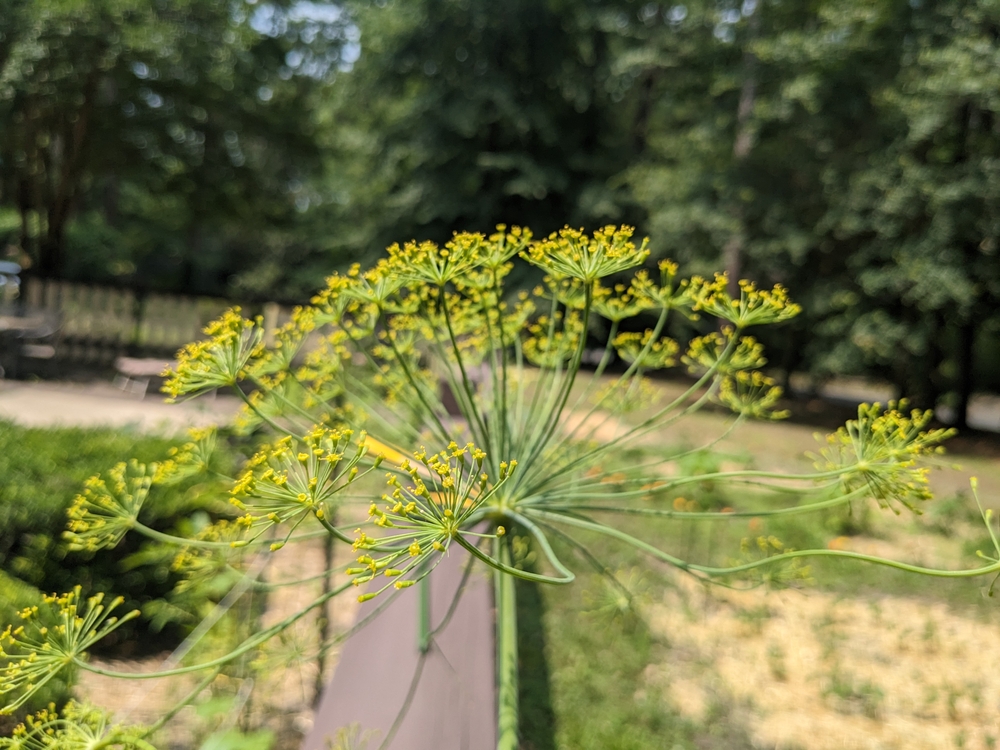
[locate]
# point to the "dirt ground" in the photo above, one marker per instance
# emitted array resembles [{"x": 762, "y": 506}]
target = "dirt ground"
[{"x": 819, "y": 671}]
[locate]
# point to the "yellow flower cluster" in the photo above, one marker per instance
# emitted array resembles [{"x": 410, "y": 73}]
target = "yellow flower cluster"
[
  {"x": 751, "y": 394},
  {"x": 880, "y": 450},
  {"x": 669, "y": 294},
  {"x": 106, "y": 509},
  {"x": 218, "y": 361},
  {"x": 74, "y": 727},
  {"x": 427, "y": 515},
  {"x": 188, "y": 460},
  {"x": 288, "y": 341},
  {"x": 552, "y": 341},
  {"x": 622, "y": 302},
  {"x": 754, "y": 306},
  {"x": 643, "y": 351},
  {"x": 724, "y": 354},
  {"x": 49, "y": 640},
  {"x": 294, "y": 478},
  {"x": 569, "y": 253}
]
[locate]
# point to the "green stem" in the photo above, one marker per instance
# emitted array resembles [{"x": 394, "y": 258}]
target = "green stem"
[
  {"x": 507, "y": 688},
  {"x": 470, "y": 393},
  {"x": 631, "y": 369},
  {"x": 253, "y": 407},
  {"x": 536, "y": 450},
  {"x": 284, "y": 399},
  {"x": 713, "y": 515},
  {"x": 183, "y": 702},
  {"x": 502, "y": 416},
  {"x": 185, "y": 542},
  {"x": 442, "y": 430},
  {"x": 501, "y": 566},
  {"x": 647, "y": 424},
  {"x": 424, "y": 615},
  {"x": 231, "y": 656},
  {"x": 717, "y": 571},
  {"x": 748, "y": 474}
]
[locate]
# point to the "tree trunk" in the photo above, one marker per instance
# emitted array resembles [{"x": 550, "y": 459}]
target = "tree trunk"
[
  {"x": 70, "y": 166},
  {"x": 732, "y": 253},
  {"x": 640, "y": 129},
  {"x": 965, "y": 361}
]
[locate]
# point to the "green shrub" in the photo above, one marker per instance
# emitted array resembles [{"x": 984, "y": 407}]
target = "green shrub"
[{"x": 41, "y": 471}]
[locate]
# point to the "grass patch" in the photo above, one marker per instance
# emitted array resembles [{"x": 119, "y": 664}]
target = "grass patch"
[
  {"x": 598, "y": 656},
  {"x": 602, "y": 696}
]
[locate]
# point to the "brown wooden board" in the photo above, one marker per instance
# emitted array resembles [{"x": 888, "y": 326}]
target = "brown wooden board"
[{"x": 451, "y": 687}]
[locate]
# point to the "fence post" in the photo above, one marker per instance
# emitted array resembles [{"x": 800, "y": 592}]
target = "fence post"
[{"x": 271, "y": 312}]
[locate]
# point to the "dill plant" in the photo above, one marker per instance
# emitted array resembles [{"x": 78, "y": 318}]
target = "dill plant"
[{"x": 356, "y": 383}]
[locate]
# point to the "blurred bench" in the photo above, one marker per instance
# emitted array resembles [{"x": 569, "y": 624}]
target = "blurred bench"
[
  {"x": 26, "y": 336},
  {"x": 133, "y": 374}
]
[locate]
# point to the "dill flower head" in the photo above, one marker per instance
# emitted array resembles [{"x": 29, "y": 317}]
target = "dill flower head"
[
  {"x": 76, "y": 726},
  {"x": 751, "y": 394},
  {"x": 669, "y": 294},
  {"x": 188, "y": 460},
  {"x": 375, "y": 286},
  {"x": 571, "y": 253},
  {"x": 293, "y": 478},
  {"x": 753, "y": 307},
  {"x": 724, "y": 354},
  {"x": 288, "y": 341},
  {"x": 643, "y": 351},
  {"x": 429, "y": 263},
  {"x": 219, "y": 361},
  {"x": 107, "y": 508},
  {"x": 50, "y": 638},
  {"x": 552, "y": 341},
  {"x": 621, "y": 302},
  {"x": 879, "y": 450},
  {"x": 425, "y": 514}
]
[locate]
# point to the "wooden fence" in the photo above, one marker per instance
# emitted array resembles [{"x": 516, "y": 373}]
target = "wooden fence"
[{"x": 95, "y": 324}]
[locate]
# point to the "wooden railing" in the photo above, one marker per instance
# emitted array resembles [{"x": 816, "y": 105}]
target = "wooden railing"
[{"x": 97, "y": 324}]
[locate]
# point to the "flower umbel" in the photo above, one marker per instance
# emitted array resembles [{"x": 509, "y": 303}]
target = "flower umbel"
[
  {"x": 880, "y": 450},
  {"x": 188, "y": 460},
  {"x": 107, "y": 509},
  {"x": 754, "y": 306},
  {"x": 291, "y": 479},
  {"x": 219, "y": 361},
  {"x": 50, "y": 639},
  {"x": 447, "y": 489},
  {"x": 569, "y": 253},
  {"x": 75, "y": 727}
]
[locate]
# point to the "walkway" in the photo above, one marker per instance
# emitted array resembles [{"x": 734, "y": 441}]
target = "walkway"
[{"x": 102, "y": 405}]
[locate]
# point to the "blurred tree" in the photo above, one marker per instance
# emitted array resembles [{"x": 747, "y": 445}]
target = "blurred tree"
[
  {"x": 847, "y": 149},
  {"x": 463, "y": 113},
  {"x": 159, "y": 119},
  {"x": 925, "y": 210}
]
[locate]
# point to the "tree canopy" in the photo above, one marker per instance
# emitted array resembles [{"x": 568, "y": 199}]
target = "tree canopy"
[{"x": 845, "y": 149}]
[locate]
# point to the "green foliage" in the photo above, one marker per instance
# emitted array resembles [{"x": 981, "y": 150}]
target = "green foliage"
[
  {"x": 15, "y": 597},
  {"x": 463, "y": 114},
  {"x": 42, "y": 471},
  {"x": 177, "y": 127},
  {"x": 233, "y": 739},
  {"x": 845, "y": 149}
]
